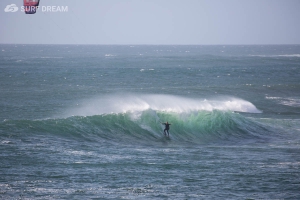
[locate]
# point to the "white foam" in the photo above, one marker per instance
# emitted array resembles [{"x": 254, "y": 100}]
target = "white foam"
[
  {"x": 148, "y": 70},
  {"x": 46, "y": 57},
  {"x": 273, "y": 97},
  {"x": 291, "y": 102},
  {"x": 122, "y": 103},
  {"x": 272, "y": 56},
  {"x": 109, "y": 55},
  {"x": 287, "y": 101},
  {"x": 291, "y": 55}
]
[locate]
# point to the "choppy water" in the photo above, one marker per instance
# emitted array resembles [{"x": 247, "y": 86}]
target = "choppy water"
[{"x": 83, "y": 122}]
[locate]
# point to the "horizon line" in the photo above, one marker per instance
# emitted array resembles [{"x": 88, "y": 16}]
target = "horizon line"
[{"x": 147, "y": 44}]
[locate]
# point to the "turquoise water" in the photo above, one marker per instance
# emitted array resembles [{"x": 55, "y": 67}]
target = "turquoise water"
[{"x": 84, "y": 122}]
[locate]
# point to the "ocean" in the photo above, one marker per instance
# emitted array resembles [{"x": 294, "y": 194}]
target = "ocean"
[{"x": 85, "y": 121}]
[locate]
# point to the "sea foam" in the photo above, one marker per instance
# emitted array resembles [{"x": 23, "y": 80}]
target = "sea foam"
[{"x": 123, "y": 103}]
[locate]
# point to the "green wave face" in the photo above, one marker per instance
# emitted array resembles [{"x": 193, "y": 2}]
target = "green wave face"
[
  {"x": 197, "y": 127},
  {"x": 138, "y": 118}
]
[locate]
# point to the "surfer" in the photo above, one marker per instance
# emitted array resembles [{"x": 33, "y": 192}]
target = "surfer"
[{"x": 167, "y": 127}]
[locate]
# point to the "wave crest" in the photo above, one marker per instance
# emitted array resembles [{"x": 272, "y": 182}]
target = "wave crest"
[{"x": 169, "y": 103}]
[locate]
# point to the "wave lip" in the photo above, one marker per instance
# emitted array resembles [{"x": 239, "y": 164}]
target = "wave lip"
[{"x": 169, "y": 103}]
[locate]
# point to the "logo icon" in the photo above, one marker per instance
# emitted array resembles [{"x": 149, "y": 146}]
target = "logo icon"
[{"x": 11, "y": 8}]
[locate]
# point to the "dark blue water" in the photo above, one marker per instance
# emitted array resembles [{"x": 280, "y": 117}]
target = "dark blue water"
[{"x": 84, "y": 122}]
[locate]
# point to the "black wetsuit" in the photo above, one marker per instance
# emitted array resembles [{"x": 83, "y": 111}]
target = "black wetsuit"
[{"x": 167, "y": 127}]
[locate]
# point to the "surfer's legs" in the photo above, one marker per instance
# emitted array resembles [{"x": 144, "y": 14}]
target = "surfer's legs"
[{"x": 166, "y": 130}]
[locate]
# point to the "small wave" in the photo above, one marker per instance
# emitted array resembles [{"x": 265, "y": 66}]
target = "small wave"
[
  {"x": 287, "y": 101},
  {"x": 141, "y": 70},
  {"x": 109, "y": 55},
  {"x": 273, "y": 56},
  {"x": 291, "y": 55},
  {"x": 6, "y": 142},
  {"x": 273, "y": 97},
  {"x": 47, "y": 57}
]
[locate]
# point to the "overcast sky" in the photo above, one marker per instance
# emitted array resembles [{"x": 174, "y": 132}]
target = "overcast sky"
[{"x": 154, "y": 22}]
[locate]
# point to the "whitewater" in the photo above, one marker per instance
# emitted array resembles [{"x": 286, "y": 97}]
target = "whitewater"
[{"x": 85, "y": 122}]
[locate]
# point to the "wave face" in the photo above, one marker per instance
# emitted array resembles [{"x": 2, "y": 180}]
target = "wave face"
[{"x": 133, "y": 119}]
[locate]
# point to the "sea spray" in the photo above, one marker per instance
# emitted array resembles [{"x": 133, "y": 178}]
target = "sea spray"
[{"x": 122, "y": 103}]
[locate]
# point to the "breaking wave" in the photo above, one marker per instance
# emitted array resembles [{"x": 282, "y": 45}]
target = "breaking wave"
[
  {"x": 133, "y": 119},
  {"x": 165, "y": 103}
]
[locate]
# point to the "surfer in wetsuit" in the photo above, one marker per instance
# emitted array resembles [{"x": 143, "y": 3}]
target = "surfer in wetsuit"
[{"x": 167, "y": 127}]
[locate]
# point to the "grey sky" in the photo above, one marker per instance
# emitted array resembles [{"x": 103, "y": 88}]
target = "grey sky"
[{"x": 155, "y": 22}]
